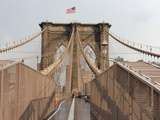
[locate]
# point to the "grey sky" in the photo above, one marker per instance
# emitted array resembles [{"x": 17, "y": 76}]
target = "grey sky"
[{"x": 136, "y": 20}]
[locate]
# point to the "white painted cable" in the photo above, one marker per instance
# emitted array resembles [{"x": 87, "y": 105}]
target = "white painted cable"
[
  {"x": 72, "y": 110},
  {"x": 56, "y": 111}
]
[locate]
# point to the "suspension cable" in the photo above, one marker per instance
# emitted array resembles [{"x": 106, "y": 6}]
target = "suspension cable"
[
  {"x": 21, "y": 43},
  {"x": 134, "y": 48}
]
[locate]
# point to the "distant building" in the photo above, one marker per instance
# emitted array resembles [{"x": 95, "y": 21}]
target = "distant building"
[{"x": 119, "y": 59}]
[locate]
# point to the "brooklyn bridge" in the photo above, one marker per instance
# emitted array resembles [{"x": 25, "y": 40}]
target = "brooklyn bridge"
[{"x": 77, "y": 80}]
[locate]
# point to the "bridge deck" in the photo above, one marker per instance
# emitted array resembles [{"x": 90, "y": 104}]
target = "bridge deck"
[
  {"x": 149, "y": 70},
  {"x": 81, "y": 111}
]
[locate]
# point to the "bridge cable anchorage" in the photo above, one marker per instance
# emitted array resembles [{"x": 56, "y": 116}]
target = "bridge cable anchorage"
[
  {"x": 21, "y": 43},
  {"x": 71, "y": 115},
  {"x": 52, "y": 68},
  {"x": 134, "y": 48},
  {"x": 88, "y": 61}
]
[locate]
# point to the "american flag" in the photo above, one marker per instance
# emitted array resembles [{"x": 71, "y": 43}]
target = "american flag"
[{"x": 71, "y": 10}]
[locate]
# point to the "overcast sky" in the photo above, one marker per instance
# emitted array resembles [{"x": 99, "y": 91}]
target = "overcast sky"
[{"x": 135, "y": 20}]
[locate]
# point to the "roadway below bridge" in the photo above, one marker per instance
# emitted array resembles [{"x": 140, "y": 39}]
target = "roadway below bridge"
[{"x": 72, "y": 109}]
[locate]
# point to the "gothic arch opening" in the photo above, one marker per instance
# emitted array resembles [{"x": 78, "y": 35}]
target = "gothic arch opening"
[
  {"x": 90, "y": 53},
  {"x": 59, "y": 52},
  {"x": 86, "y": 73},
  {"x": 60, "y": 75}
]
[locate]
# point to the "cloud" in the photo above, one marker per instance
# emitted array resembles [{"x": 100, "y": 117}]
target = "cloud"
[{"x": 133, "y": 19}]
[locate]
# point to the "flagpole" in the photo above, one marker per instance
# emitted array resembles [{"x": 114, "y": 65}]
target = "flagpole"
[{"x": 71, "y": 14}]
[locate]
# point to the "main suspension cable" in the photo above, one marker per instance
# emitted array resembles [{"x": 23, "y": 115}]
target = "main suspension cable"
[
  {"x": 21, "y": 43},
  {"x": 133, "y": 47}
]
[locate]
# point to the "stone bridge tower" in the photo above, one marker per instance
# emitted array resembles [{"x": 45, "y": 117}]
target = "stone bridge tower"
[{"x": 93, "y": 35}]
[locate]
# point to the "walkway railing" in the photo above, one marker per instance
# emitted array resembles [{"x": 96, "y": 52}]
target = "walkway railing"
[
  {"x": 38, "y": 109},
  {"x": 118, "y": 93}
]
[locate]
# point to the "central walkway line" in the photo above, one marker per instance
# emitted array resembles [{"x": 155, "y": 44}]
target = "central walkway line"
[{"x": 72, "y": 110}]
